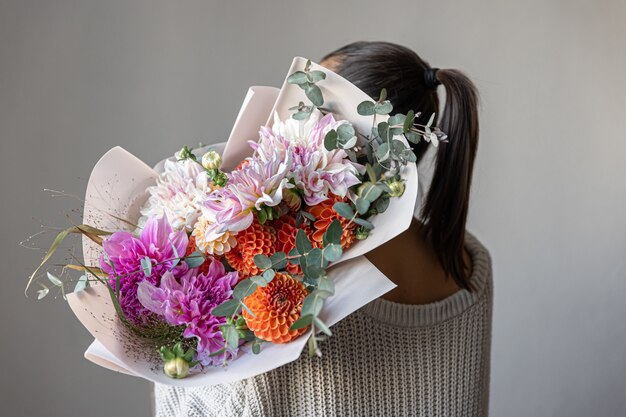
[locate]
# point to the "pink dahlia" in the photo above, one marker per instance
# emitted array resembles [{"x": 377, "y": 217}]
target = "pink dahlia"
[
  {"x": 314, "y": 170},
  {"x": 188, "y": 301},
  {"x": 250, "y": 187},
  {"x": 123, "y": 253}
]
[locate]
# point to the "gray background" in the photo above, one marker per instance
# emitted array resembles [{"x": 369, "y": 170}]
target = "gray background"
[{"x": 79, "y": 77}]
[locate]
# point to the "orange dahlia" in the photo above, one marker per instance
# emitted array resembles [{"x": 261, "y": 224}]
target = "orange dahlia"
[
  {"x": 256, "y": 239},
  {"x": 286, "y": 231},
  {"x": 325, "y": 214},
  {"x": 276, "y": 307}
]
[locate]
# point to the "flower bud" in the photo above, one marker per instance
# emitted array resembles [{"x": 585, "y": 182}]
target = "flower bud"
[
  {"x": 211, "y": 160},
  {"x": 176, "y": 368},
  {"x": 361, "y": 233},
  {"x": 184, "y": 153},
  {"x": 396, "y": 188}
]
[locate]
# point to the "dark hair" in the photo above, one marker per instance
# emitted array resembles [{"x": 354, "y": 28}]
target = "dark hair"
[{"x": 372, "y": 66}]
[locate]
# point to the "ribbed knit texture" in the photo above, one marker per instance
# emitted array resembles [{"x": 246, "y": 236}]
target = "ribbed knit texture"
[{"x": 386, "y": 359}]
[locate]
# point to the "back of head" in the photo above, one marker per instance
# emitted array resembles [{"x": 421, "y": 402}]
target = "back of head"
[{"x": 412, "y": 85}]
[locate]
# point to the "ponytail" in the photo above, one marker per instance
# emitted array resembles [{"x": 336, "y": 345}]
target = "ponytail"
[
  {"x": 411, "y": 85},
  {"x": 447, "y": 201}
]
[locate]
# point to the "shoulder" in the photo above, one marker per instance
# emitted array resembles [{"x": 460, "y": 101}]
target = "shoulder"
[{"x": 482, "y": 266}]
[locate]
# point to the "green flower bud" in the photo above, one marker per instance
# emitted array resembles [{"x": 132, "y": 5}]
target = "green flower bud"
[
  {"x": 397, "y": 188},
  {"x": 185, "y": 153},
  {"x": 176, "y": 368},
  {"x": 211, "y": 160},
  {"x": 361, "y": 233}
]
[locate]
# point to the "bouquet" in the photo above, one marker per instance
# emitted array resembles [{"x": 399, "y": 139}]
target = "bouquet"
[{"x": 236, "y": 256}]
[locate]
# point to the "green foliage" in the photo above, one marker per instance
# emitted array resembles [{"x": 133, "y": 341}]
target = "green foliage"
[
  {"x": 146, "y": 266},
  {"x": 226, "y": 309},
  {"x": 81, "y": 284},
  {"x": 366, "y": 108},
  {"x": 262, "y": 261},
  {"x": 344, "y": 210},
  {"x": 244, "y": 289},
  {"x": 333, "y": 233},
  {"x": 195, "y": 259}
]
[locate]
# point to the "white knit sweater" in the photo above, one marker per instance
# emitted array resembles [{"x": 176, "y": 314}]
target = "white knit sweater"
[{"x": 386, "y": 359}]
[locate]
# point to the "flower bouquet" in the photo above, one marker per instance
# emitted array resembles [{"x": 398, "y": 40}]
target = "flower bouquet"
[{"x": 241, "y": 253}]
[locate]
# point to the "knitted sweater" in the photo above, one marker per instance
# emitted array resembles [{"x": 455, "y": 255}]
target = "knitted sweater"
[{"x": 386, "y": 359}]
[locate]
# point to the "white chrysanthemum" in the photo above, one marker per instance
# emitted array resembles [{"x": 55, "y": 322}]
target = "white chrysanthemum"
[
  {"x": 218, "y": 246},
  {"x": 179, "y": 193}
]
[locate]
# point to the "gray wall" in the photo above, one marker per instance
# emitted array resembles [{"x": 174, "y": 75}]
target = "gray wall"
[{"x": 78, "y": 77}]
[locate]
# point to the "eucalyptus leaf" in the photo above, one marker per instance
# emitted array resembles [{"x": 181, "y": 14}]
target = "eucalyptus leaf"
[
  {"x": 322, "y": 326},
  {"x": 313, "y": 271},
  {"x": 343, "y": 209},
  {"x": 316, "y": 76},
  {"x": 314, "y": 94},
  {"x": 382, "y": 152},
  {"x": 177, "y": 257},
  {"x": 326, "y": 287},
  {"x": 308, "y": 216},
  {"x": 301, "y": 115},
  {"x": 383, "y": 95},
  {"x": 383, "y": 130},
  {"x": 302, "y": 322},
  {"x": 245, "y": 307},
  {"x": 333, "y": 233},
  {"x": 229, "y": 333},
  {"x": 362, "y": 205},
  {"x": 195, "y": 259},
  {"x": 332, "y": 252},
  {"x": 294, "y": 257},
  {"x": 350, "y": 143},
  {"x": 315, "y": 258},
  {"x": 262, "y": 261},
  {"x": 312, "y": 304},
  {"x": 298, "y": 77},
  {"x": 302, "y": 242},
  {"x": 345, "y": 132},
  {"x": 330, "y": 140},
  {"x": 397, "y": 119},
  {"x": 364, "y": 223},
  {"x": 279, "y": 260},
  {"x": 383, "y": 108},
  {"x": 81, "y": 284},
  {"x": 381, "y": 205},
  {"x": 431, "y": 120},
  {"x": 371, "y": 173},
  {"x": 412, "y": 136},
  {"x": 146, "y": 266},
  {"x": 366, "y": 108},
  {"x": 408, "y": 121},
  {"x": 226, "y": 309},
  {"x": 372, "y": 192},
  {"x": 244, "y": 289},
  {"x": 263, "y": 279}
]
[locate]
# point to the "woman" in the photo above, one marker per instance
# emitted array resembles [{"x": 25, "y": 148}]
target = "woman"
[{"x": 424, "y": 349}]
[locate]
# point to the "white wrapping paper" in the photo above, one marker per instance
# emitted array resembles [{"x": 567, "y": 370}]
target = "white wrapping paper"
[{"x": 117, "y": 188}]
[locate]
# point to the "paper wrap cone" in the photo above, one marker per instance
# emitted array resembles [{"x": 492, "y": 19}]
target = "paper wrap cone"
[{"x": 117, "y": 190}]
